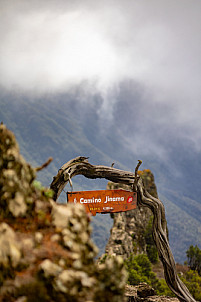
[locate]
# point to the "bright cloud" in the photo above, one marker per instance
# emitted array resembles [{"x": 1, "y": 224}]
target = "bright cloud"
[{"x": 51, "y": 46}]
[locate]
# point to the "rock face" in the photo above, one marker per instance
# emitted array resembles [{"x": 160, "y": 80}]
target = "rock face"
[
  {"x": 46, "y": 253},
  {"x": 127, "y": 233}
]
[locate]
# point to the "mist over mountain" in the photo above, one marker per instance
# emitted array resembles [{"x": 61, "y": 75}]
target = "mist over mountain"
[{"x": 64, "y": 126}]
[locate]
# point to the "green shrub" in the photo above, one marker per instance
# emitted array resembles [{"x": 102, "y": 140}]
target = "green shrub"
[
  {"x": 193, "y": 281},
  {"x": 135, "y": 270},
  {"x": 163, "y": 289},
  {"x": 140, "y": 270}
]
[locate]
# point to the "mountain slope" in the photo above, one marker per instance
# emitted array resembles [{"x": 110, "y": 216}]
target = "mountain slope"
[
  {"x": 184, "y": 229},
  {"x": 62, "y": 127}
]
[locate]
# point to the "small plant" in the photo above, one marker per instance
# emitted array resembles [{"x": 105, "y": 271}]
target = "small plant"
[
  {"x": 45, "y": 191},
  {"x": 37, "y": 184}
]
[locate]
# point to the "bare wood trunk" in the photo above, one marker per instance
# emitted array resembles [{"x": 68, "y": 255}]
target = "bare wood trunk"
[{"x": 80, "y": 166}]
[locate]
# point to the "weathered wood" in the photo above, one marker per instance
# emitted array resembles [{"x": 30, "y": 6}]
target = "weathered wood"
[{"x": 81, "y": 166}]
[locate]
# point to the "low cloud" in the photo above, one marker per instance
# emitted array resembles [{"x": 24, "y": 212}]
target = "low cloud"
[
  {"x": 140, "y": 55},
  {"x": 52, "y": 45}
]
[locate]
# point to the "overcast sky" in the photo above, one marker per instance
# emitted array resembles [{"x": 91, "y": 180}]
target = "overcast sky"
[{"x": 52, "y": 46}]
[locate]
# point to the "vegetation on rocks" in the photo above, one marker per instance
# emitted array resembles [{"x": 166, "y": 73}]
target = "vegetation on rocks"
[
  {"x": 193, "y": 281},
  {"x": 139, "y": 269},
  {"x": 46, "y": 252}
]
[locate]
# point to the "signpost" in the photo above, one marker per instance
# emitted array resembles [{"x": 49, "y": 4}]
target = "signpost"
[
  {"x": 104, "y": 201},
  {"x": 111, "y": 201}
]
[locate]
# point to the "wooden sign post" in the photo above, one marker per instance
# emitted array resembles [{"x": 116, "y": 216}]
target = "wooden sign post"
[
  {"x": 81, "y": 166},
  {"x": 104, "y": 201}
]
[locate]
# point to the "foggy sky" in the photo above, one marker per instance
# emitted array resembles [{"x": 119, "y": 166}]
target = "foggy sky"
[{"x": 52, "y": 46}]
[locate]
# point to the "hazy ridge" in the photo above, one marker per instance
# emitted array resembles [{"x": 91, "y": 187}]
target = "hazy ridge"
[{"x": 65, "y": 129}]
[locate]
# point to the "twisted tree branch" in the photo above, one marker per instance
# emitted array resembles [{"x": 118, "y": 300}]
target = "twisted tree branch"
[{"x": 81, "y": 166}]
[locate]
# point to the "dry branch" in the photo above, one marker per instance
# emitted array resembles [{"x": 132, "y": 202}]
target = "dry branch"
[
  {"x": 50, "y": 159},
  {"x": 81, "y": 166}
]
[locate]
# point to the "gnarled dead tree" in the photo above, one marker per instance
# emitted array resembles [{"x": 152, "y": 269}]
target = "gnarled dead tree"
[{"x": 81, "y": 166}]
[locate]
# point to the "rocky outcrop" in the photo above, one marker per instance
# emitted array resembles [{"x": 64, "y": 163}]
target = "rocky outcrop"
[
  {"x": 127, "y": 233},
  {"x": 46, "y": 252}
]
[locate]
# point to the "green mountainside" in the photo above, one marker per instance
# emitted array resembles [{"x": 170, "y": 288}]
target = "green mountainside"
[
  {"x": 183, "y": 227},
  {"x": 64, "y": 129}
]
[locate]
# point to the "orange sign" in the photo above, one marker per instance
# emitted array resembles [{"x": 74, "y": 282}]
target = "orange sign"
[{"x": 104, "y": 201}]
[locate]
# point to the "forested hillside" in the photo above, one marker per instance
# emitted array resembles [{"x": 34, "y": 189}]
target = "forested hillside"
[{"x": 63, "y": 127}]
